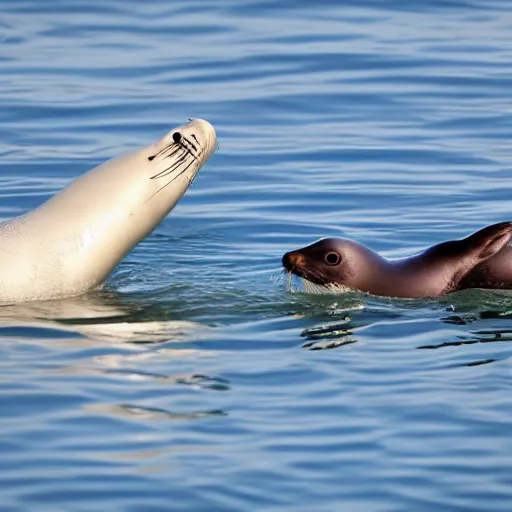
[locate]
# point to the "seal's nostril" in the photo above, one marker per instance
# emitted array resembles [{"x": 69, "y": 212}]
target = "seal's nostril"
[{"x": 176, "y": 137}]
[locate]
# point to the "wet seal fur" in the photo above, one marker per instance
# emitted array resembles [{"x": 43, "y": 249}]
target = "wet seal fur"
[
  {"x": 481, "y": 260},
  {"x": 71, "y": 243}
]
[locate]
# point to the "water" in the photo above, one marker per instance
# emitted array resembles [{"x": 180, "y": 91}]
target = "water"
[{"x": 195, "y": 380}]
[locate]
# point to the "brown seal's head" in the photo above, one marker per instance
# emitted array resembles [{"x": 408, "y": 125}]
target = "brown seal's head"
[{"x": 333, "y": 261}]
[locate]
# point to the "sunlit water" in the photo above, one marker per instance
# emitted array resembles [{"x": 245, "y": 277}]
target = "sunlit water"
[{"x": 195, "y": 380}]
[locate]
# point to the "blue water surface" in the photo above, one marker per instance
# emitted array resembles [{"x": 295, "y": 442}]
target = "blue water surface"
[{"x": 196, "y": 380}]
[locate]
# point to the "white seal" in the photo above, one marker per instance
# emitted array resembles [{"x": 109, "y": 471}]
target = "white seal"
[{"x": 71, "y": 243}]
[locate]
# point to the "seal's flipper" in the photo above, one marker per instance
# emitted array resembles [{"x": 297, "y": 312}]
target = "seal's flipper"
[{"x": 488, "y": 241}]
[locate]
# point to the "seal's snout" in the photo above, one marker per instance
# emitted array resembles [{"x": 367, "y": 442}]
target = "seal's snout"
[
  {"x": 292, "y": 260},
  {"x": 287, "y": 264},
  {"x": 201, "y": 131}
]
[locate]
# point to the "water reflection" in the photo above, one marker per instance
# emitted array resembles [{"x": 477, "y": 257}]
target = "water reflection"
[
  {"x": 102, "y": 316},
  {"x": 153, "y": 413},
  {"x": 381, "y": 314}
]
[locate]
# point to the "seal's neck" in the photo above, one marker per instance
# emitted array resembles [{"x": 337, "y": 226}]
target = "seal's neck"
[{"x": 413, "y": 277}]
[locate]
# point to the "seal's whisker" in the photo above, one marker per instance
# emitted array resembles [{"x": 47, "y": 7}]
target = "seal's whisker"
[
  {"x": 195, "y": 138},
  {"x": 314, "y": 276},
  {"x": 171, "y": 180},
  {"x": 159, "y": 190},
  {"x": 182, "y": 171},
  {"x": 179, "y": 160},
  {"x": 175, "y": 166},
  {"x": 186, "y": 149},
  {"x": 171, "y": 150},
  {"x": 190, "y": 152},
  {"x": 173, "y": 147},
  {"x": 163, "y": 150},
  {"x": 310, "y": 287}
]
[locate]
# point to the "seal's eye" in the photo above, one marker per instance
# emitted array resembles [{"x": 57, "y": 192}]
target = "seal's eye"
[
  {"x": 332, "y": 258},
  {"x": 176, "y": 137}
]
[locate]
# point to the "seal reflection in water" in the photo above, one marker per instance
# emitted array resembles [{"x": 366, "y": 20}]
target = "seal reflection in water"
[
  {"x": 71, "y": 243},
  {"x": 482, "y": 260}
]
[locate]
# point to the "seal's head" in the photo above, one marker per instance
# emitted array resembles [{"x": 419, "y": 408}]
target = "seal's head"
[
  {"x": 332, "y": 262},
  {"x": 181, "y": 153}
]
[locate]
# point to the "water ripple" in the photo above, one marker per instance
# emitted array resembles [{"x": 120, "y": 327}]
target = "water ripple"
[{"x": 195, "y": 380}]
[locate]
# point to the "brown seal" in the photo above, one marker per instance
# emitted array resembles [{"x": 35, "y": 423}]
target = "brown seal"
[{"x": 481, "y": 260}]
